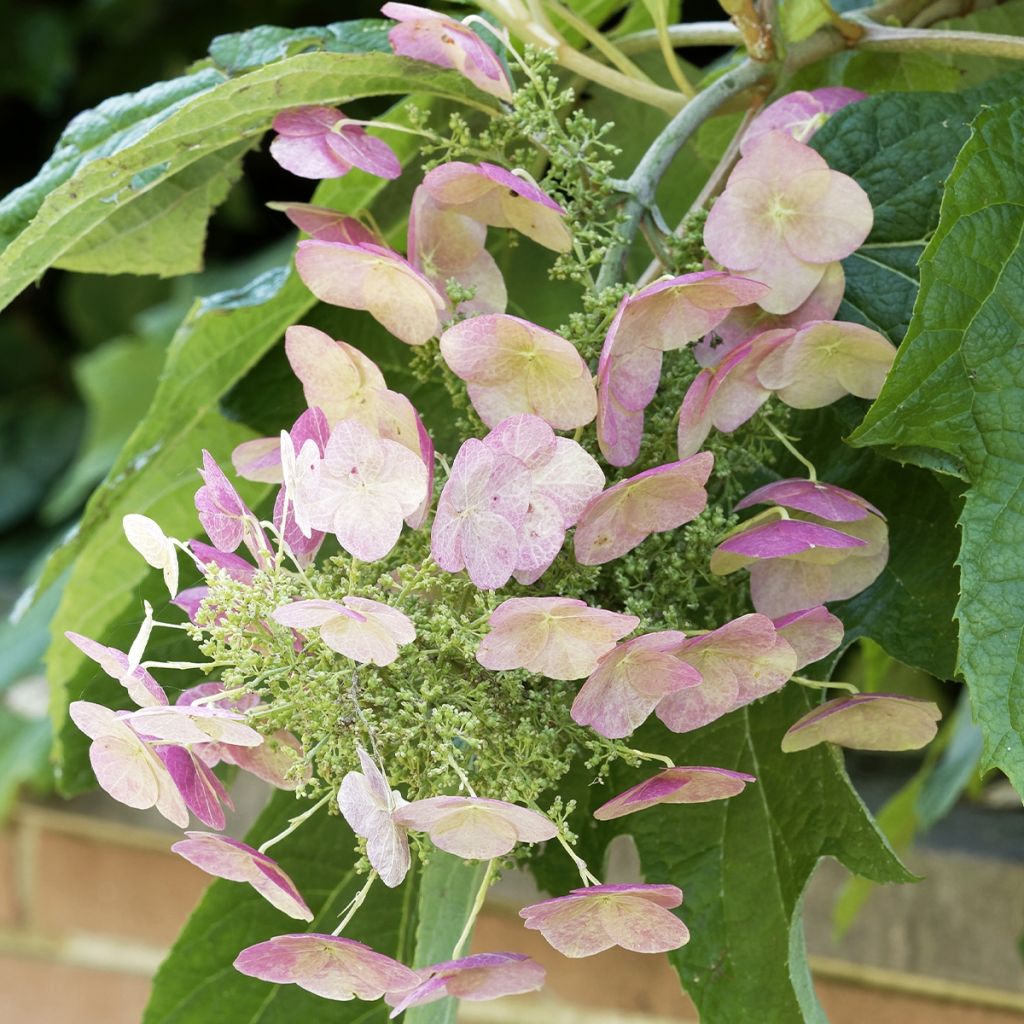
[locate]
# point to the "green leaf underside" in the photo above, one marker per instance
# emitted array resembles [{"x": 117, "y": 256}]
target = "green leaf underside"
[
  {"x": 163, "y": 231},
  {"x": 742, "y": 863},
  {"x": 223, "y": 337},
  {"x": 221, "y": 116},
  {"x": 958, "y": 386},
  {"x": 899, "y": 147},
  {"x": 448, "y": 887},
  {"x": 244, "y": 51},
  {"x": 198, "y": 985}
]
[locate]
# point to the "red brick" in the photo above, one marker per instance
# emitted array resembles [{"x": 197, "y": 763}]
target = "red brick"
[
  {"x": 36, "y": 991},
  {"x": 84, "y": 884},
  {"x": 855, "y": 1004},
  {"x": 10, "y": 911}
]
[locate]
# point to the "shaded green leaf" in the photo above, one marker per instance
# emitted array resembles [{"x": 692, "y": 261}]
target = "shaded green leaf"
[
  {"x": 117, "y": 382},
  {"x": 164, "y": 231},
  {"x": 198, "y": 985},
  {"x": 908, "y": 610},
  {"x": 24, "y": 756},
  {"x": 116, "y": 124},
  {"x": 909, "y": 72},
  {"x": 958, "y": 386},
  {"x": 40, "y": 435},
  {"x": 1004, "y": 19}
]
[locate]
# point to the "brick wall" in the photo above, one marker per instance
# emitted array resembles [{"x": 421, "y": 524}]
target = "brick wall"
[{"x": 83, "y": 926}]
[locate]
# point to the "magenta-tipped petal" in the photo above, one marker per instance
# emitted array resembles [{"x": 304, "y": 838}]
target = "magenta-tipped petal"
[
  {"x": 228, "y": 858},
  {"x": 676, "y": 786},
  {"x": 476, "y": 978},
  {"x": 326, "y": 965}
]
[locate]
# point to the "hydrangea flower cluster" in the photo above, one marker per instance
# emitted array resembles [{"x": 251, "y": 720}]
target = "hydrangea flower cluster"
[{"x": 371, "y": 576}]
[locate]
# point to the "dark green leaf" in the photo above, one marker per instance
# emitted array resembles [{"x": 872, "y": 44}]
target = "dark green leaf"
[
  {"x": 744, "y": 863},
  {"x": 243, "y": 51},
  {"x": 958, "y": 386},
  {"x": 198, "y": 985},
  {"x": 899, "y": 147}
]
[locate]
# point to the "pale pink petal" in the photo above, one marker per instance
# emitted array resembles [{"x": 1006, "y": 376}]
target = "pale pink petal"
[
  {"x": 325, "y": 224},
  {"x": 368, "y": 804},
  {"x": 477, "y": 977},
  {"x": 496, "y": 197},
  {"x": 591, "y": 920},
  {"x": 481, "y": 508},
  {"x": 739, "y": 662},
  {"x": 812, "y": 633},
  {"x": 473, "y": 827},
  {"x": 629, "y": 682},
  {"x": 827, "y": 360},
  {"x": 353, "y": 145},
  {"x": 526, "y": 368},
  {"x": 437, "y": 39},
  {"x": 326, "y": 965},
  {"x": 573, "y": 636},
  {"x": 377, "y": 280},
  {"x": 444, "y": 244},
  {"x": 654, "y": 501},
  {"x": 747, "y": 322},
  {"x": 141, "y": 686},
  {"x": 800, "y": 114}
]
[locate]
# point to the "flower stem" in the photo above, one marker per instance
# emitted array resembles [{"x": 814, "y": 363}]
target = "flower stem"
[
  {"x": 644, "y": 755},
  {"x": 643, "y": 182},
  {"x": 581, "y": 865},
  {"x": 602, "y": 44},
  {"x": 788, "y": 445},
  {"x": 462, "y": 776},
  {"x": 818, "y": 684},
  {"x": 474, "y": 913},
  {"x": 357, "y": 901},
  {"x": 294, "y": 823}
]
